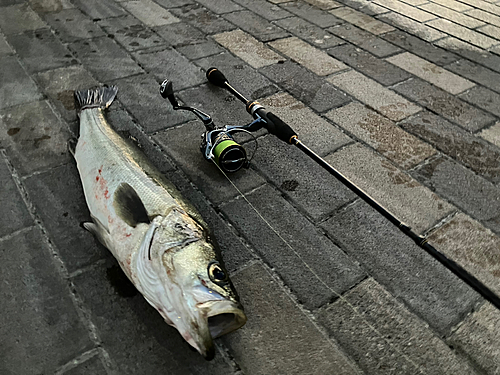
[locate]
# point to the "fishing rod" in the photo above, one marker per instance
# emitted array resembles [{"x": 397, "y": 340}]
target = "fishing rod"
[{"x": 219, "y": 145}]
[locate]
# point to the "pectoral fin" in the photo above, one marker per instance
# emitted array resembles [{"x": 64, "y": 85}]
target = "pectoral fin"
[{"x": 129, "y": 207}]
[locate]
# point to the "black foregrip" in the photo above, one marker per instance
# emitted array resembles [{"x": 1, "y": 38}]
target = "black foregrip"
[{"x": 277, "y": 126}]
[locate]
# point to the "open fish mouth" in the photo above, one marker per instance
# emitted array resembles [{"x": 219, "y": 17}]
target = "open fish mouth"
[{"x": 222, "y": 316}]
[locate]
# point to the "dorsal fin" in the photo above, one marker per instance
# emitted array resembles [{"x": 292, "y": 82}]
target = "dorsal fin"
[{"x": 129, "y": 207}]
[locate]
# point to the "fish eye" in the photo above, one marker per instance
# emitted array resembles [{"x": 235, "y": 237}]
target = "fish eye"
[{"x": 217, "y": 274}]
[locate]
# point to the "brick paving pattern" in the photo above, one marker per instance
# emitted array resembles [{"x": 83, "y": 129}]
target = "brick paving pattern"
[{"x": 402, "y": 96}]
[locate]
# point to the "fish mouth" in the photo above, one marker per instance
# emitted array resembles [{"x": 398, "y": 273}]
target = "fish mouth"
[{"x": 220, "y": 317}]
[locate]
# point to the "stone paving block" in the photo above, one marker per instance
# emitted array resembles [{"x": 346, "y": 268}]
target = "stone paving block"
[
  {"x": 247, "y": 48},
  {"x": 431, "y": 73},
  {"x": 174, "y": 3},
  {"x": 15, "y": 215},
  {"x": 200, "y": 50},
  {"x": 364, "y": 40},
  {"x": 311, "y": 14},
  {"x": 309, "y": 32},
  {"x": 492, "y": 134},
  {"x": 411, "y": 26},
  {"x": 324, "y": 4},
  {"x": 365, "y": 6},
  {"x": 264, "y": 9},
  {"x": 71, "y": 25},
  {"x": 92, "y": 366},
  {"x": 492, "y": 8},
  {"x": 16, "y": 87},
  {"x": 382, "y": 134},
  {"x": 105, "y": 59},
  {"x": 371, "y": 66},
  {"x": 326, "y": 260},
  {"x": 479, "y": 337},
  {"x": 470, "y": 52},
  {"x": 5, "y": 49},
  {"x": 375, "y": 95},
  {"x": 43, "y": 7},
  {"x": 472, "y": 246},
  {"x": 403, "y": 344},
  {"x": 444, "y": 104},
  {"x": 100, "y": 9},
  {"x": 478, "y": 197},
  {"x": 312, "y": 129},
  {"x": 490, "y": 30},
  {"x": 41, "y": 329},
  {"x": 407, "y": 10},
  {"x": 180, "y": 34},
  {"x": 452, "y": 4},
  {"x": 60, "y": 84},
  {"x": 220, "y": 6},
  {"x": 397, "y": 263},
  {"x": 58, "y": 198},
  {"x": 39, "y": 141},
  {"x": 278, "y": 338},
  {"x": 420, "y": 48},
  {"x": 451, "y": 15},
  {"x": 255, "y": 25},
  {"x": 131, "y": 33},
  {"x": 362, "y": 20},
  {"x": 201, "y": 18},
  {"x": 308, "y": 56},
  {"x": 150, "y": 13},
  {"x": 311, "y": 189},
  {"x": 483, "y": 98},
  {"x": 409, "y": 201},
  {"x": 168, "y": 63},
  {"x": 461, "y": 32},
  {"x": 19, "y": 18},
  {"x": 41, "y": 50},
  {"x": 140, "y": 95},
  {"x": 484, "y": 16},
  {"x": 250, "y": 83},
  {"x": 133, "y": 333},
  {"x": 204, "y": 174},
  {"x": 305, "y": 86},
  {"x": 472, "y": 151},
  {"x": 476, "y": 73}
]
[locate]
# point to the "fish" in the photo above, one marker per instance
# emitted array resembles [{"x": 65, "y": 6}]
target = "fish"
[{"x": 160, "y": 241}]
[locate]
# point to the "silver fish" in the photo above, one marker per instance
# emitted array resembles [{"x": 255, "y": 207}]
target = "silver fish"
[{"x": 160, "y": 241}]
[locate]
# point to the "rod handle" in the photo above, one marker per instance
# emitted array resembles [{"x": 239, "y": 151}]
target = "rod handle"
[{"x": 277, "y": 126}]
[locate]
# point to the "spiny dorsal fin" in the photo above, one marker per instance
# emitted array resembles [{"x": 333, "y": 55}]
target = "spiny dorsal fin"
[{"x": 128, "y": 206}]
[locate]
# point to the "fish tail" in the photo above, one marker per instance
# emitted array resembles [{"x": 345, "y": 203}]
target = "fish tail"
[{"x": 97, "y": 97}]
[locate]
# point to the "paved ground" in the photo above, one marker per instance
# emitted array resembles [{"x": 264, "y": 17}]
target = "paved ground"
[{"x": 401, "y": 96}]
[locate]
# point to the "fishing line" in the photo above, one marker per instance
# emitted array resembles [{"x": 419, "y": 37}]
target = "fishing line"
[{"x": 342, "y": 298}]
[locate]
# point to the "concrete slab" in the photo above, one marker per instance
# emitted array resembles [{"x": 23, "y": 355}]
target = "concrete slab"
[
  {"x": 16, "y": 215},
  {"x": 409, "y": 201},
  {"x": 382, "y": 134},
  {"x": 40, "y": 142},
  {"x": 44, "y": 330},
  {"x": 71, "y": 25},
  {"x": 300, "y": 254},
  {"x": 402, "y": 343},
  {"x": 105, "y": 59},
  {"x": 279, "y": 338},
  {"x": 18, "y": 18},
  {"x": 16, "y": 87}
]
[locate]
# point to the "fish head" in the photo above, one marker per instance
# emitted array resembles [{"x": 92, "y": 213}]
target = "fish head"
[{"x": 204, "y": 302}]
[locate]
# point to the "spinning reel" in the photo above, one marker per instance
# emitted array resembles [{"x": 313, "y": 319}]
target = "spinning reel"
[{"x": 218, "y": 144}]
